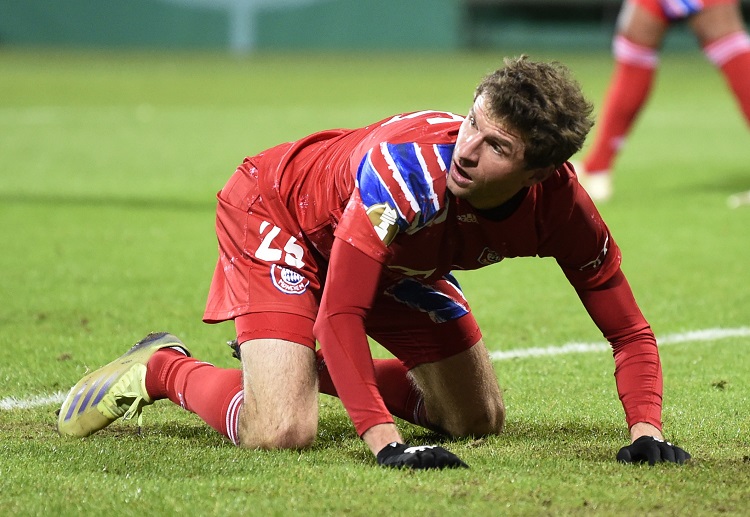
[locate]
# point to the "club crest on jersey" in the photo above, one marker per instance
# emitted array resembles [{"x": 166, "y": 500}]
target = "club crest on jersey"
[
  {"x": 287, "y": 280},
  {"x": 383, "y": 218},
  {"x": 489, "y": 256}
]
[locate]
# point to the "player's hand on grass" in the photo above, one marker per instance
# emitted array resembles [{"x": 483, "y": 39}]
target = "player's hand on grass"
[
  {"x": 399, "y": 455},
  {"x": 652, "y": 450}
]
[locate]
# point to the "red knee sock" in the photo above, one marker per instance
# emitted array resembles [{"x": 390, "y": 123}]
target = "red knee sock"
[
  {"x": 214, "y": 394},
  {"x": 401, "y": 397},
  {"x": 629, "y": 88},
  {"x": 732, "y": 55}
]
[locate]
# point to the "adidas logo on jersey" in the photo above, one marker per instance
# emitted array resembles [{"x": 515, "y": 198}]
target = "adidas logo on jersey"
[{"x": 467, "y": 218}]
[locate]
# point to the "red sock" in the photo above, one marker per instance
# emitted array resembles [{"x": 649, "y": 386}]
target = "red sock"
[
  {"x": 629, "y": 88},
  {"x": 400, "y": 396},
  {"x": 214, "y": 394},
  {"x": 732, "y": 55}
]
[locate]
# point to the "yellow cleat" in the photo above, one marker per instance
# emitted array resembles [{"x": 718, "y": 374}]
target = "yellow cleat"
[{"x": 113, "y": 391}]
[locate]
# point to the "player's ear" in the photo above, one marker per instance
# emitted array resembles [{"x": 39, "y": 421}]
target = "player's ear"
[{"x": 538, "y": 175}]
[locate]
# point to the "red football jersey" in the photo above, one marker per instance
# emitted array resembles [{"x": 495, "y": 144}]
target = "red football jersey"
[
  {"x": 397, "y": 170},
  {"x": 382, "y": 189}
]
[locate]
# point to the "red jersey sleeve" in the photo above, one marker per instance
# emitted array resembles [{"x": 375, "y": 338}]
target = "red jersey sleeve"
[
  {"x": 638, "y": 373},
  {"x": 399, "y": 188},
  {"x": 356, "y": 228},
  {"x": 573, "y": 231},
  {"x": 575, "y": 234},
  {"x": 351, "y": 287}
]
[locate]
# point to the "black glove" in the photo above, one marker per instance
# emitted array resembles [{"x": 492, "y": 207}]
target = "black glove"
[
  {"x": 399, "y": 455},
  {"x": 652, "y": 450}
]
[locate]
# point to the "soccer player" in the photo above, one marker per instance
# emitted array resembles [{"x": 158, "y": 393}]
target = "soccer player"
[
  {"x": 354, "y": 232},
  {"x": 641, "y": 28}
]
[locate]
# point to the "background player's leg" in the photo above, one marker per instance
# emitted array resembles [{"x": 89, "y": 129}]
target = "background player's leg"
[
  {"x": 635, "y": 46},
  {"x": 721, "y": 32}
]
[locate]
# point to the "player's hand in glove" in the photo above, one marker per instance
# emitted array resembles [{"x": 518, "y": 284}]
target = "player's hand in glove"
[
  {"x": 399, "y": 455},
  {"x": 652, "y": 450}
]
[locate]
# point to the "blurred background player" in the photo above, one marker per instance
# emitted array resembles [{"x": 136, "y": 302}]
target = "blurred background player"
[{"x": 641, "y": 28}]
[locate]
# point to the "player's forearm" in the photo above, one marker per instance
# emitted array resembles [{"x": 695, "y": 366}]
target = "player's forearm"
[
  {"x": 347, "y": 355},
  {"x": 638, "y": 374},
  {"x": 637, "y": 366},
  {"x": 639, "y": 380},
  {"x": 350, "y": 289}
]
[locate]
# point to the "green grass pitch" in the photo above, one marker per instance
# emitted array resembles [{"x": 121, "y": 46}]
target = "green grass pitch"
[{"x": 109, "y": 164}]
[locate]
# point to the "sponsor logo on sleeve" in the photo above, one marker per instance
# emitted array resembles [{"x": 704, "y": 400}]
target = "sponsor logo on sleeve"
[
  {"x": 383, "y": 218},
  {"x": 287, "y": 280}
]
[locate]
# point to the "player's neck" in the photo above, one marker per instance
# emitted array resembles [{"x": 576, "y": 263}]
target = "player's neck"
[{"x": 506, "y": 209}]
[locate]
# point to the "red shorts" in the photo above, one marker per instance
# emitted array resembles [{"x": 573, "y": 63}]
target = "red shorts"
[
  {"x": 269, "y": 281},
  {"x": 671, "y": 10},
  {"x": 264, "y": 264}
]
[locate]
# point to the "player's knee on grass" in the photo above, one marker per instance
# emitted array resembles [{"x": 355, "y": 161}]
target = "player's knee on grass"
[
  {"x": 284, "y": 436},
  {"x": 257, "y": 432},
  {"x": 483, "y": 419},
  {"x": 488, "y": 422},
  {"x": 461, "y": 394},
  {"x": 280, "y": 408}
]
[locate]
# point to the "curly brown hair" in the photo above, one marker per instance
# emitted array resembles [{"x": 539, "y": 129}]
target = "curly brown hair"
[{"x": 543, "y": 103}]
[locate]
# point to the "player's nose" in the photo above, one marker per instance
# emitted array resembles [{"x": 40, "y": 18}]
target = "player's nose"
[
  {"x": 467, "y": 155},
  {"x": 468, "y": 152}
]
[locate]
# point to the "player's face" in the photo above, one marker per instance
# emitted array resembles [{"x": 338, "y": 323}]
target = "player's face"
[{"x": 488, "y": 167}]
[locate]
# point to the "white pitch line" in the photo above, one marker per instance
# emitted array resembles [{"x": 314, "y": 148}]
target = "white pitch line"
[
  {"x": 578, "y": 348},
  {"x": 9, "y": 403},
  {"x": 32, "y": 402}
]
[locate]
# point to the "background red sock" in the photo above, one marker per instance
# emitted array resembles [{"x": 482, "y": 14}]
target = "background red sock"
[
  {"x": 731, "y": 54},
  {"x": 629, "y": 88}
]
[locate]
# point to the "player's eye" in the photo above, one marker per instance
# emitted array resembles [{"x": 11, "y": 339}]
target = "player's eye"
[
  {"x": 497, "y": 148},
  {"x": 472, "y": 121}
]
